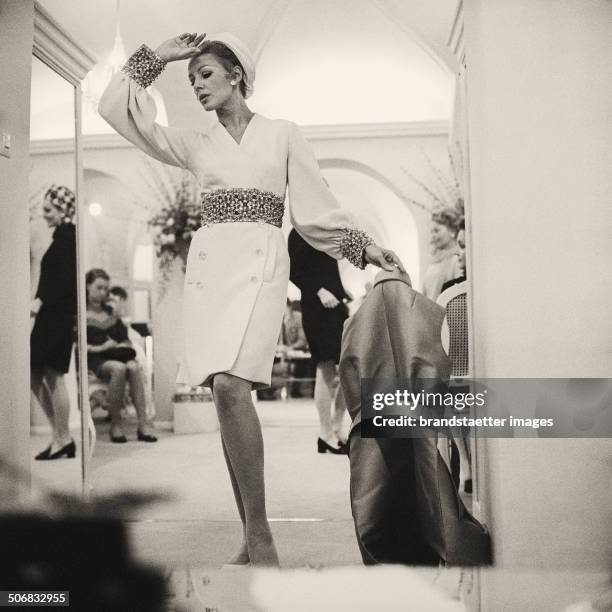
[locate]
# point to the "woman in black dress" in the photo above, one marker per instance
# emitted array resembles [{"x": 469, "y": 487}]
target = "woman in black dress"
[
  {"x": 323, "y": 314},
  {"x": 55, "y": 307},
  {"x": 111, "y": 356}
]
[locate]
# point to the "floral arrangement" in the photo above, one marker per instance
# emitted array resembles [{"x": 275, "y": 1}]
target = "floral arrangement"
[
  {"x": 176, "y": 218},
  {"x": 442, "y": 190},
  {"x": 174, "y": 226}
]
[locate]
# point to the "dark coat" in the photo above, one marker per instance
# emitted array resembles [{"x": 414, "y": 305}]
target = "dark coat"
[
  {"x": 405, "y": 506},
  {"x": 57, "y": 286},
  {"x": 53, "y": 332}
]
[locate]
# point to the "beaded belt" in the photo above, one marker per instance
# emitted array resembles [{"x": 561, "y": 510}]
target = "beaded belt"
[{"x": 240, "y": 204}]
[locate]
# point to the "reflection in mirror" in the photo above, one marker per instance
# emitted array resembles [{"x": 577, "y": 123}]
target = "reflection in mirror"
[
  {"x": 55, "y": 421},
  {"x": 118, "y": 261}
]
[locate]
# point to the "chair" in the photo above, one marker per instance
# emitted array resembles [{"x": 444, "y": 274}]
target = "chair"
[
  {"x": 455, "y": 340},
  {"x": 285, "y": 374},
  {"x": 454, "y": 333}
]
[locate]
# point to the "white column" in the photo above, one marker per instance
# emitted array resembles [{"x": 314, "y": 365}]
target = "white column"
[
  {"x": 538, "y": 92},
  {"x": 16, "y": 35}
]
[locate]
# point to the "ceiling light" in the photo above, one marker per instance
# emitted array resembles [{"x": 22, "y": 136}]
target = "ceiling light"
[
  {"x": 97, "y": 79},
  {"x": 95, "y": 209}
]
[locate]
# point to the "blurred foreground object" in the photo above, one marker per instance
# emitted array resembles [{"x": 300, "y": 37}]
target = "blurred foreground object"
[{"x": 80, "y": 546}]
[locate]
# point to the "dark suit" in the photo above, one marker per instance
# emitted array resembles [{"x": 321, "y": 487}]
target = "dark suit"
[
  {"x": 310, "y": 271},
  {"x": 405, "y": 506}
]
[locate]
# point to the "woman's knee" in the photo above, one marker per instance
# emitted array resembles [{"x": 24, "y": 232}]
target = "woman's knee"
[
  {"x": 115, "y": 369},
  {"x": 51, "y": 374},
  {"x": 36, "y": 377},
  {"x": 133, "y": 367},
  {"x": 228, "y": 388}
]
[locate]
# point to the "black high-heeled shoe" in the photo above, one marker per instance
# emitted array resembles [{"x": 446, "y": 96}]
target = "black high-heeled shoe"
[
  {"x": 118, "y": 439},
  {"x": 143, "y": 437},
  {"x": 324, "y": 447},
  {"x": 68, "y": 451},
  {"x": 43, "y": 454}
]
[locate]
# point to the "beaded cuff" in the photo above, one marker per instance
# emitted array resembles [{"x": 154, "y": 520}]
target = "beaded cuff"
[
  {"x": 144, "y": 66},
  {"x": 352, "y": 245}
]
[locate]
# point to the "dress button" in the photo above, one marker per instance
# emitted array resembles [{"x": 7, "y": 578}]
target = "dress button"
[
  {"x": 259, "y": 252},
  {"x": 253, "y": 279},
  {"x": 202, "y": 255}
]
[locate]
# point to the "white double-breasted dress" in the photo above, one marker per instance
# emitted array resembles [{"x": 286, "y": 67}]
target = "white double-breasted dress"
[{"x": 238, "y": 270}]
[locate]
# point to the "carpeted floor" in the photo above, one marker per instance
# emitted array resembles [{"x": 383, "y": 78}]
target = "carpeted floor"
[{"x": 307, "y": 493}]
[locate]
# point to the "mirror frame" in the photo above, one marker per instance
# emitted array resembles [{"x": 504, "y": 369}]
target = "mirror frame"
[
  {"x": 471, "y": 589},
  {"x": 61, "y": 53}
]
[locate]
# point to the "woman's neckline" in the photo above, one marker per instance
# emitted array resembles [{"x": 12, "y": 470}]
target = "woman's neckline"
[{"x": 244, "y": 133}]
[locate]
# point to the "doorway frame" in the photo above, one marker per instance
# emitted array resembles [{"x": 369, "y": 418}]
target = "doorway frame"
[{"x": 58, "y": 50}]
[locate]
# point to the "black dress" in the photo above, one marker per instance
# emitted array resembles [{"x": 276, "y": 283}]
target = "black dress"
[
  {"x": 310, "y": 271},
  {"x": 53, "y": 332},
  {"x": 98, "y": 333}
]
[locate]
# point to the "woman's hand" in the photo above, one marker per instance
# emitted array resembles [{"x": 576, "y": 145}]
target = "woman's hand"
[
  {"x": 100, "y": 348},
  {"x": 383, "y": 258},
  {"x": 328, "y": 299},
  {"x": 180, "y": 47}
]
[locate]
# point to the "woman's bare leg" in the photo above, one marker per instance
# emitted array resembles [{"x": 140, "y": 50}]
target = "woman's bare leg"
[
  {"x": 137, "y": 391},
  {"x": 323, "y": 396},
  {"x": 60, "y": 401},
  {"x": 241, "y": 432},
  {"x": 242, "y": 556},
  {"x": 116, "y": 374},
  {"x": 41, "y": 392},
  {"x": 338, "y": 413}
]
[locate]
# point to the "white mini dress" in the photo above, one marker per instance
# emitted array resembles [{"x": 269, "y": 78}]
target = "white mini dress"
[{"x": 238, "y": 267}]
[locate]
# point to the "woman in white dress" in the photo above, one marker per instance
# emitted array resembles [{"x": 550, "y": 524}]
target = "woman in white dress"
[{"x": 238, "y": 267}]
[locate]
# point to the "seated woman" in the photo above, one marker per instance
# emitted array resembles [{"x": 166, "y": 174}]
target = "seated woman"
[{"x": 112, "y": 358}]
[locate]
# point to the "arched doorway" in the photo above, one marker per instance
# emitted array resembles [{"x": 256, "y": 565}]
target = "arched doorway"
[{"x": 376, "y": 201}]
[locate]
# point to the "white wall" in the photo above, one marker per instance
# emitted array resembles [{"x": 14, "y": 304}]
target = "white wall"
[
  {"x": 16, "y": 32},
  {"x": 538, "y": 78}
]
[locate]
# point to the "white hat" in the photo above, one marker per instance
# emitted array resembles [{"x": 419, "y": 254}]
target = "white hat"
[{"x": 244, "y": 56}]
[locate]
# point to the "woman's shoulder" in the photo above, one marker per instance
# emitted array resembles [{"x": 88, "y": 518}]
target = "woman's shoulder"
[
  {"x": 65, "y": 231},
  {"x": 276, "y": 123}
]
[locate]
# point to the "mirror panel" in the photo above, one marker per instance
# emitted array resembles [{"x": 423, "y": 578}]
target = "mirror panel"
[{"x": 55, "y": 415}]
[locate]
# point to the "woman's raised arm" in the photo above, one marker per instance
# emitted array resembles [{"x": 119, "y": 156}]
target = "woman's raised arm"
[{"x": 131, "y": 111}]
